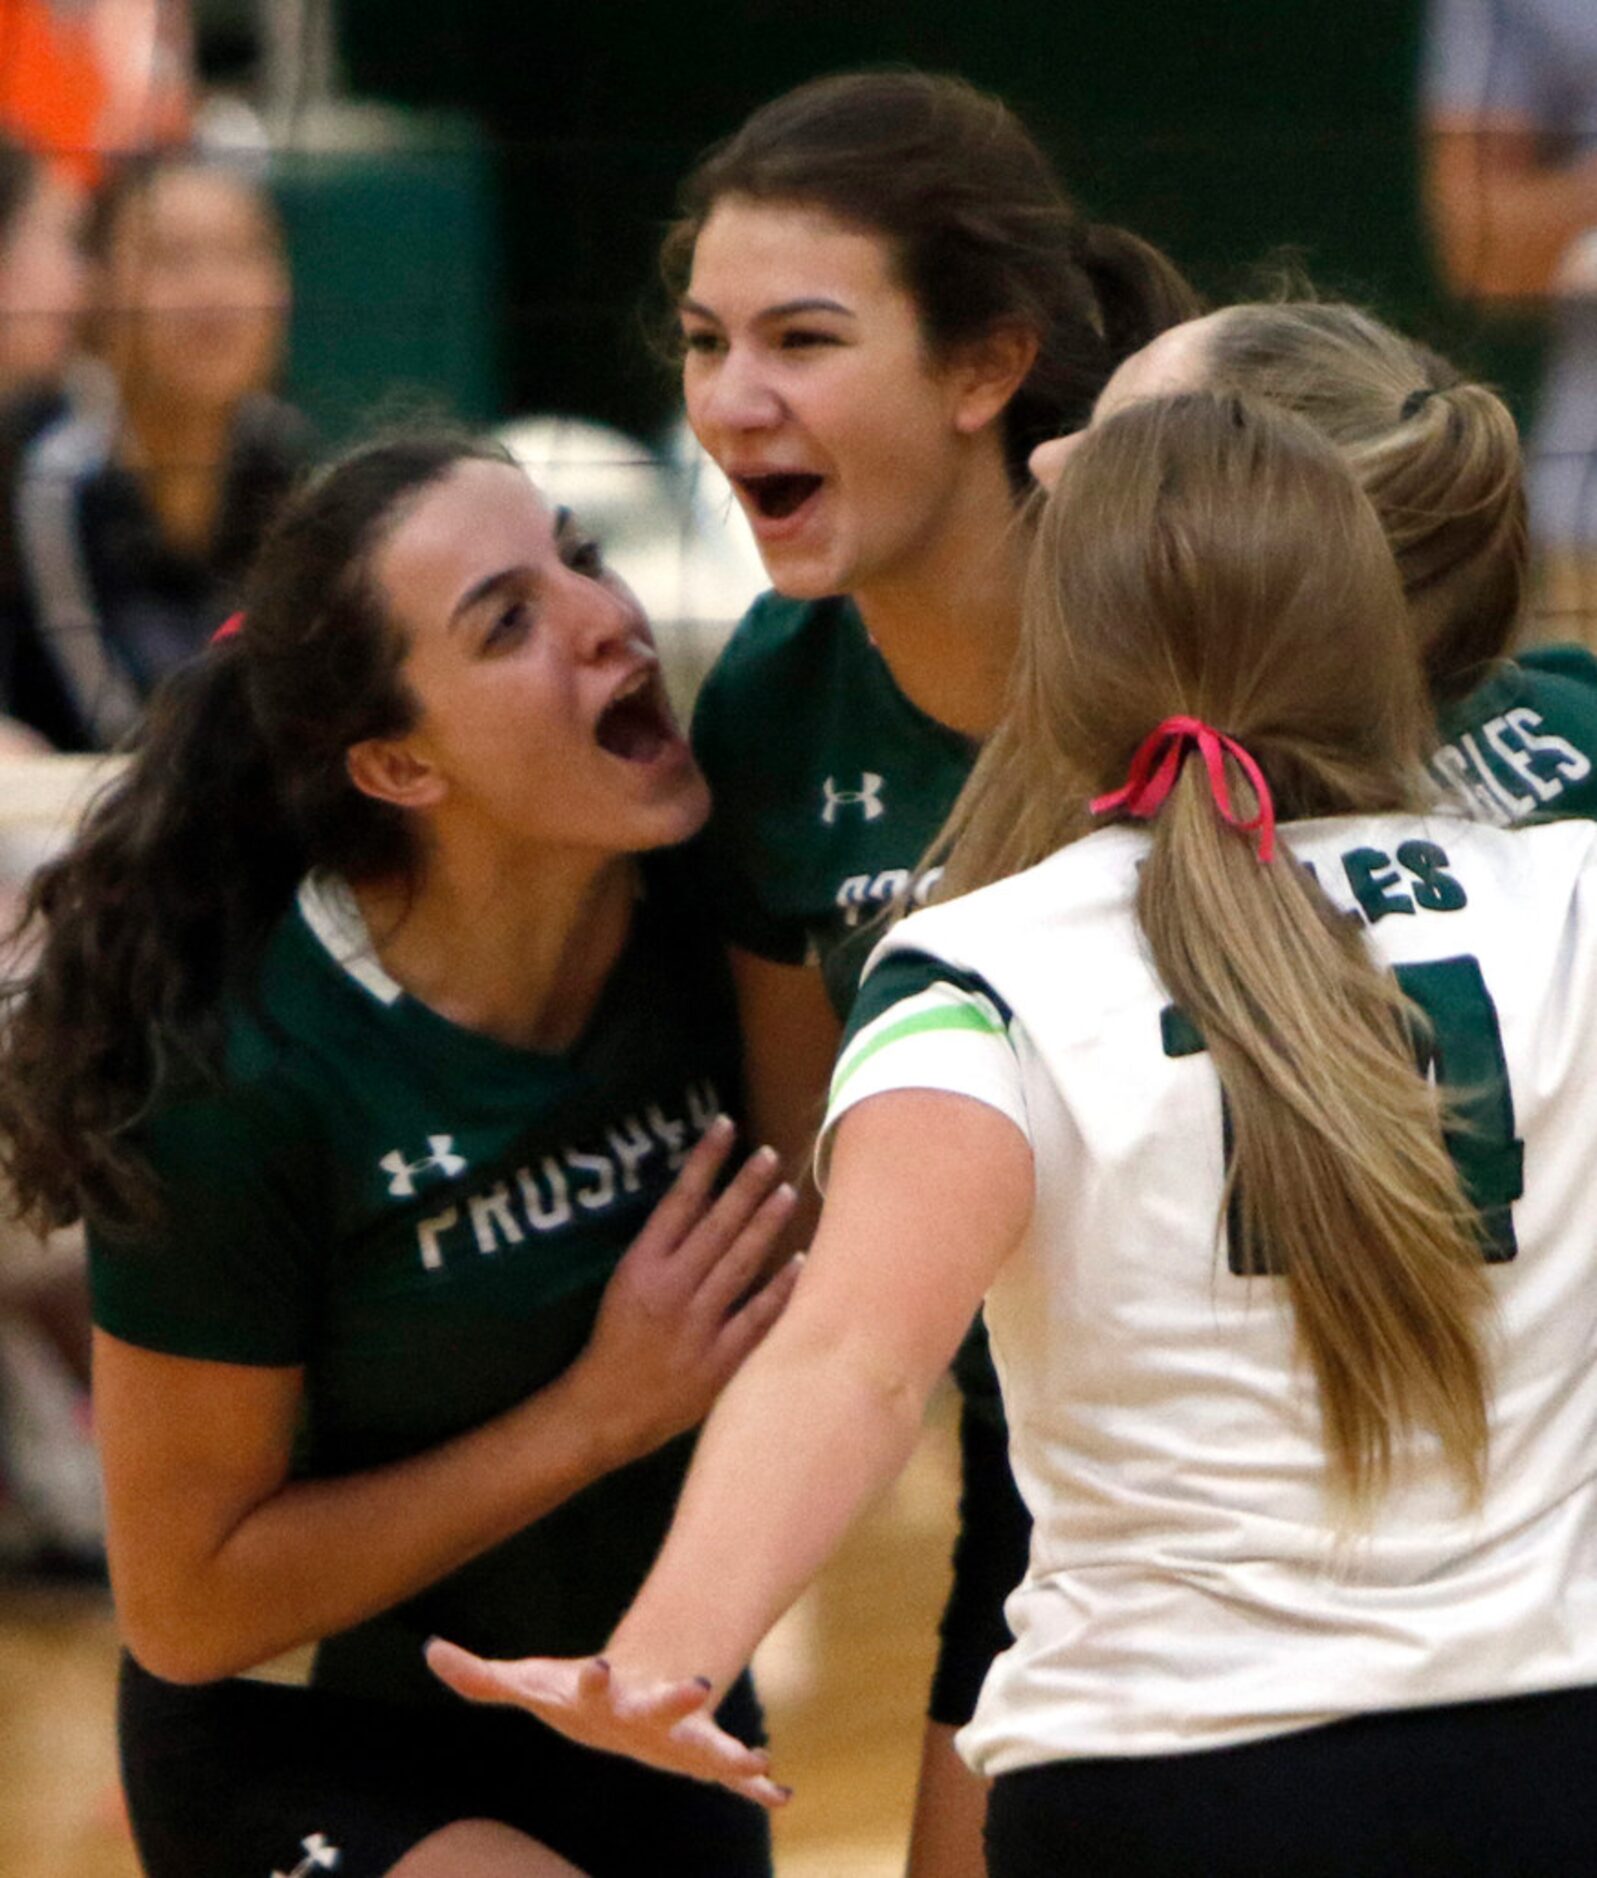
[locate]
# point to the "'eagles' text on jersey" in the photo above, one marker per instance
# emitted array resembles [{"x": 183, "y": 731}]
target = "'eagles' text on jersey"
[{"x": 1188, "y": 1586}]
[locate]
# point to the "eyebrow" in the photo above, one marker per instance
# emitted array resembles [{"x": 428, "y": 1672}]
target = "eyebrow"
[
  {"x": 486, "y": 588},
  {"x": 785, "y": 309}
]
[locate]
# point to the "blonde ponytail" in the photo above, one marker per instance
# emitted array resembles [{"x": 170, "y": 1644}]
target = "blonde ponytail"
[
  {"x": 1211, "y": 557},
  {"x": 1338, "y": 1169},
  {"x": 1438, "y": 457}
]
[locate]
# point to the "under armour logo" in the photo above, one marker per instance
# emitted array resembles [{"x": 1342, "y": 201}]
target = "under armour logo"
[
  {"x": 402, "y": 1173},
  {"x": 868, "y": 795},
  {"x": 319, "y": 1856}
]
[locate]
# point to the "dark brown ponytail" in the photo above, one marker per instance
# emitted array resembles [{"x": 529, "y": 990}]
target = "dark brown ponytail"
[
  {"x": 235, "y": 787},
  {"x": 982, "y": 232}
]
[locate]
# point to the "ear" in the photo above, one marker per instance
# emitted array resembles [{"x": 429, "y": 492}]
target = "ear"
[
  {"x": 987, "y": 374},
  {"x": 388, "y": 769}
]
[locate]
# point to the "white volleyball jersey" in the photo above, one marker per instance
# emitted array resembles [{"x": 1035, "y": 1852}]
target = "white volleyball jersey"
[{"x": 1187, "y": 1586}]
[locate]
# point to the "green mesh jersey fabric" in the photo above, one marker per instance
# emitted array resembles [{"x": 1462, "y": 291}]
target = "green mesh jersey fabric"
[
  {"x": 425, "y": 1219},
  {"x": 1525, "y": 742},
  {"x": 829, "y": 786}
]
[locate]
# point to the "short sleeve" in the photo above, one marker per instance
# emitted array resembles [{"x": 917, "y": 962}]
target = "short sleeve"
[
  {"x": 920, "y": 1023},
  {"x": 1555, "y": 717},
  {"x": 1571, "y": 663},
  {"x": 1481, "y": 60},
  {"x": 227, "y": 1273},
  {"x": 727, "y": 854}
]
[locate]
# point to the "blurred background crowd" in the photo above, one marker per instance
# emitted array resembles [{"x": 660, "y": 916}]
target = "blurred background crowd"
[{"x": 234, "y": 232}]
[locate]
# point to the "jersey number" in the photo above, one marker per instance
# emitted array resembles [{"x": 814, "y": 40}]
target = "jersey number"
[{"x": 1464, "y": 1047}]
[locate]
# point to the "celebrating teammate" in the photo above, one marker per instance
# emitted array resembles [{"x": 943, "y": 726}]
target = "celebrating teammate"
[
  {"x": 370, "y": 1049},
  {"x": 886, "y": 301},
  {"x": 1440, "y": 459},
  {"x": 1257, "y": 1116}
]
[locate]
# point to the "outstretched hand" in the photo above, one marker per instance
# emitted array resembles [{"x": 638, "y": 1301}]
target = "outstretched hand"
[{"x": 664, "y": 1724}]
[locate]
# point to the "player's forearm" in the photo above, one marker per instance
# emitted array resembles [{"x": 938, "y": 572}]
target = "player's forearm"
[
  {"x": 1505, "y": 219},
  {"x": 806, "y": 1436},
  {"x": 317, "y": 1556},
  {"x": 791, "y": 1037}
]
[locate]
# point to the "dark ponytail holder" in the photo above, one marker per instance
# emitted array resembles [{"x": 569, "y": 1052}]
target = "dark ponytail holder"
[{"x": 1415, "y": 402}]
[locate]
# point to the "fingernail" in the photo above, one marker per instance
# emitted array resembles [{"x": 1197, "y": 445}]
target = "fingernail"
[{"x": 767, "y": 1157}]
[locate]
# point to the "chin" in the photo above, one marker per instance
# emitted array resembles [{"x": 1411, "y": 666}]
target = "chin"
[
  {"x": 806, "y": 583},
  {"x": 807, "y": 574},
  {"x": 679, "y": 819}
]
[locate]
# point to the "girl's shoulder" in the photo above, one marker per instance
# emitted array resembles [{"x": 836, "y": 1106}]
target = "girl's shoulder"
[
  {"x": 1523, "y": 743},
  {"x": 777, "y": 643}
]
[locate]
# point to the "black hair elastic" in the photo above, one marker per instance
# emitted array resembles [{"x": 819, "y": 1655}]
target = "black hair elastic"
[{"x": 1414, "y": 403}]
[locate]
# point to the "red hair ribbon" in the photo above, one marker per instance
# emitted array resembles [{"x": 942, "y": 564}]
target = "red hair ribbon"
[
  {"x": 1157, "y": 764},
  {"x": 230, "y": 628}
]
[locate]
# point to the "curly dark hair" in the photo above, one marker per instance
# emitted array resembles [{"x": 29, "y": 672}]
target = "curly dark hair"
[
  {"x": 236, "y": 786},
  {"x": 20, "y": 170}
]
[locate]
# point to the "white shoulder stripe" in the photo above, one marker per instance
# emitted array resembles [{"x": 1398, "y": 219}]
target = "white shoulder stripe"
[{"x": 329, "y": 909}]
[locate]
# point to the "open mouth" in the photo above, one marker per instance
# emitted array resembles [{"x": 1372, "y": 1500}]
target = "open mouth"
[
  {"x": 637, "y": 725},
  {"x": 780, "y": 493}
]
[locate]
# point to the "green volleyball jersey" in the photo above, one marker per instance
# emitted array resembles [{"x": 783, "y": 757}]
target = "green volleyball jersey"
[
  {"x": 829, "y": 785},
  {"x": 425, "y": 1219},
  {"x": 1525, "y": 742}
]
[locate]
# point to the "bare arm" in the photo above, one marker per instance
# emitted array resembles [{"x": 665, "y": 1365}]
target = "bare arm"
[
  {"x": 1503, "y": 212},
  {"x": 929, "y": 1194},
  {"x": 791, "y": 1036},
  {"x": 219, "y": 1560}
]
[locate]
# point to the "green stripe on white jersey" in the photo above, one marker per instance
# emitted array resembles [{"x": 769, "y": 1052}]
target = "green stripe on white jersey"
[{"x": 1189, "y": 1585}]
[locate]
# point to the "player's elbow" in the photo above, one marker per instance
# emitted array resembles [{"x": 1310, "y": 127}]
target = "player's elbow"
[
  {"x": 172, "y": 1656},
  {"x": 178, "y": 1641},
  {"x": 889, "y": 1383}
]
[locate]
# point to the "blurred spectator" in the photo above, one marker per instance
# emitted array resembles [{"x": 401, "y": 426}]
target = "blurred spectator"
[
  {"x": 129, "y": 518},
  {"x": 51, "y": 1521},
  {"x": 1510, "y": 102},
  {"x": 88, "y": 80},
  {"x": 41, "y": 272}
]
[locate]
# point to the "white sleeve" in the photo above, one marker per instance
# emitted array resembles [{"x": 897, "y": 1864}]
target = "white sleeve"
[{"x": 939, "y": 1034}]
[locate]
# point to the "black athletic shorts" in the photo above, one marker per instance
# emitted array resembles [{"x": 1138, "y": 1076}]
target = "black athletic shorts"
[
  {"x": 989, "y": 1561},
  {"x": 248, "y": 1779},
  {"x": 1499, "y": 1789}
]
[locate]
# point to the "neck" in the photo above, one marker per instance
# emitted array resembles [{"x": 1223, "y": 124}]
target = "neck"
[
  {"x": 179, "y": 453},
  {"x": 948, "y": 624},
  {"x": 515, "y": 946}
]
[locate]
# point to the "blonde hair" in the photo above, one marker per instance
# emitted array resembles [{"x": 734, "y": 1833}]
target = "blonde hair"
[
  {"x": 1439, "y": 458},
  {"x": 1212, "y": 556}
]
